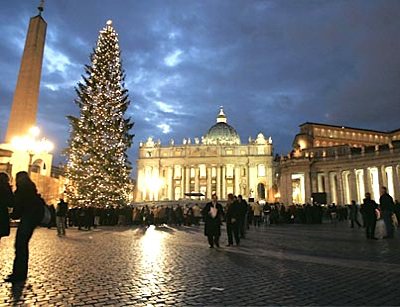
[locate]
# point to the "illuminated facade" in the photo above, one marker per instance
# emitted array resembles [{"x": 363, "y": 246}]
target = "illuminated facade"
[
  {"x": 216, "y": 163},
  {"x": 342, "y": 162}
]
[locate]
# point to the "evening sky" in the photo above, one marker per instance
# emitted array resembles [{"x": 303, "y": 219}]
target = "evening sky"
[{"x": 272, "y": 64}]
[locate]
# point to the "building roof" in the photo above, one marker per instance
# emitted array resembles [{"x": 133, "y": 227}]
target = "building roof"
[{"x": 346, "y": 127}]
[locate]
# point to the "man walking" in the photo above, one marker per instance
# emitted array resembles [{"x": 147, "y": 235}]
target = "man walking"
[
  {"x": 368, "y": 209},
  {"x": 387, "y": 208},
  {"x": 61, "y": 213},
  {"x": 213, "y": 214},
  {"x": 354, "y": 214},
  {"x": 242, "y": 216}
]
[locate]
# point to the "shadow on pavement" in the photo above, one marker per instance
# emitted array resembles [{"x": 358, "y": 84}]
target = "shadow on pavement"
[{"x": 16, "y": 292}]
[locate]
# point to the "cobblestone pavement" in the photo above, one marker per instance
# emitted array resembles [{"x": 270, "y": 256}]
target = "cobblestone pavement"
[{"x": 278, "y": 265}]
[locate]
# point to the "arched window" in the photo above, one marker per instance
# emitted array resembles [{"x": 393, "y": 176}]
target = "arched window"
[{"x": 261, "y": 191}]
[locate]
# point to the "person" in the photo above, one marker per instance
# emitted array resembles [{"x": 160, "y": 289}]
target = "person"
[
  {"x": 397, "y": 212},
  {"x": 387, "y": 209},
  {"x": 29, "y": 209},
  {"x": 368, "y": 210},
  {"x": 6, "y": 201},
  {"x": 213, "y": 214},
  {"x": 232, "y": 220},
  {"x": 196, "y": 214},
  {"x": 257, "y": 210},
  {"x": 61, "y": 214},
  {"x": 243, "y": 216},
  {"x": 354, "y": 214}
]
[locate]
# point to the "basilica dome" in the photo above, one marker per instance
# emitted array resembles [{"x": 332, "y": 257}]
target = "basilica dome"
[{"x": 221, "y": 133}]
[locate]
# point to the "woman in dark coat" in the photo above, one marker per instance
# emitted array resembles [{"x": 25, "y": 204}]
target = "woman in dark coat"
[
  {"x": 29, "y": 209},
  {"x": 213, "y": 214},
  {"x": 6, "y": 201}
]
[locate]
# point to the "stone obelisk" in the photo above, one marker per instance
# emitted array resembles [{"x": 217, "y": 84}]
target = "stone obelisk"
[{"x": 25, "y": 102}]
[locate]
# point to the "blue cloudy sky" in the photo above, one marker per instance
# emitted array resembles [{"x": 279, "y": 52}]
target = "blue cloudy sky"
[{"x": 272, "y": 64}]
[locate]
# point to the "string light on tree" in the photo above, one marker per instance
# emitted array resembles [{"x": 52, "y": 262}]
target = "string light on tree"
[{"x": 98, "y": 166}]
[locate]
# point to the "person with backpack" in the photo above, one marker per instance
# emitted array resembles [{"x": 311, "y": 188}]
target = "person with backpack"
[
  {"x": 29, "y": 209},
  {"x": 61, "y": 215}
]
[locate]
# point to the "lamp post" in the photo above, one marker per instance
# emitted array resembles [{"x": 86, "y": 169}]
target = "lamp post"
[{"x": 30, "y": 144}]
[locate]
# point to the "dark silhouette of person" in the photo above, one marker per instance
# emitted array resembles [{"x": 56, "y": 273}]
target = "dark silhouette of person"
[
  {"x": 213, "y": 214},
  {"x": 6, "y": 201},
  {"x": 387, "y": 208},
  {"x": 397, "y": 212},
  {"x": 29, "y": 209},
  {"x": 232, "y": 220},
  {"x": 243, "y": 216},
  {"x": 354, "y": 214},
  {"x": 61, "y": 215},
  {"x": 368, "y": 209}
]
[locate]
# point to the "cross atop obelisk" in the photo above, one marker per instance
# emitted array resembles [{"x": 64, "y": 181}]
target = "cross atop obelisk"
[{"x": 25, "y": 102}]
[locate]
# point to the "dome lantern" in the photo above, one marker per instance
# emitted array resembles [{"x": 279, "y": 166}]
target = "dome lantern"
[
  {"x": 221, "y": 133},
  {"x": 221, "y": 118}
]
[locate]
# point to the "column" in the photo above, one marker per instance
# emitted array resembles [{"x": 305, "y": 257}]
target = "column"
[
  {"x": 367, "y": 182},
  {"x": 197, "y": 180},
  {"x": 314, "y": 182},
  {"x": 187, "y": 179},
  {"x": 209, "y": 183},
  {"x": 170, "y": 184},
  {"x": 223, "y": 193},
  {"x": 396, "y": 182},
  {"x": 253, "y": 179},
  {"x": 320, "y": 182},
  {"x": 237, "y": 180},
  {"x": 353, "y": 185},
  {"x": 218, "y": 189},
  {"x": 381, "y": 173},
  {"x": 289, "y": 189},
  {"x": 183, "y": 178},
  {"x": 156, "y": 193},
  {"x": 247, "y": 189},
  {"x": 340, "y": 191},
  {"x": 307, "y": 187},
  {"x": 327, "y": 188},
  {"x": 333, "y": 187}
]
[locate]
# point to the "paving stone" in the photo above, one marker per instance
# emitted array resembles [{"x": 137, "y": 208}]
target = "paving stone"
[{"x": 280, "y": 265}]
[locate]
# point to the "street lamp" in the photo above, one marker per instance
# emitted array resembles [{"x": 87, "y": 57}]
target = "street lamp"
[{"x": 32, "y": 145}]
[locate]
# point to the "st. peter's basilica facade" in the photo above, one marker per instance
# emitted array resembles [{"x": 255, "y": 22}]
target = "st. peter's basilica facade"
[{"x": 216, "y": 163}]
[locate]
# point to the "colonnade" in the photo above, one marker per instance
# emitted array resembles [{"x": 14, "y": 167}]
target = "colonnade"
[
  {"x": 171, "y": 182},
  {"x": 341, "y": 185}
]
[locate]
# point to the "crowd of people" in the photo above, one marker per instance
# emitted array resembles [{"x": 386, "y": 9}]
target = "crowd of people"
[
  {"x": 29, "y": 208},
  {"x": 88, "y": 217}
]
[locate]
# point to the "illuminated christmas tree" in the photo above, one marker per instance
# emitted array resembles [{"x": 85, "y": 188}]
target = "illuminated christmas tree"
[{"x": 98, "y": 166}]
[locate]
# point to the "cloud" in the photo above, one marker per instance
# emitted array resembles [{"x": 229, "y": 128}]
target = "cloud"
[
  {"x": 164, "y": 107},
  {"x": 174, "y": 58},
  {"x": 165, "y": 128},
  {"x": 271, "y": 64}
]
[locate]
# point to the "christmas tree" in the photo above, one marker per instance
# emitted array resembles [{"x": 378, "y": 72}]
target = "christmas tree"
[{"x": 98, "y": 166}]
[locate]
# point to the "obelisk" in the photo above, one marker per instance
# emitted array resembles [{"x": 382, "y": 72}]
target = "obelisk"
[{"x": 25, "y": 102}]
